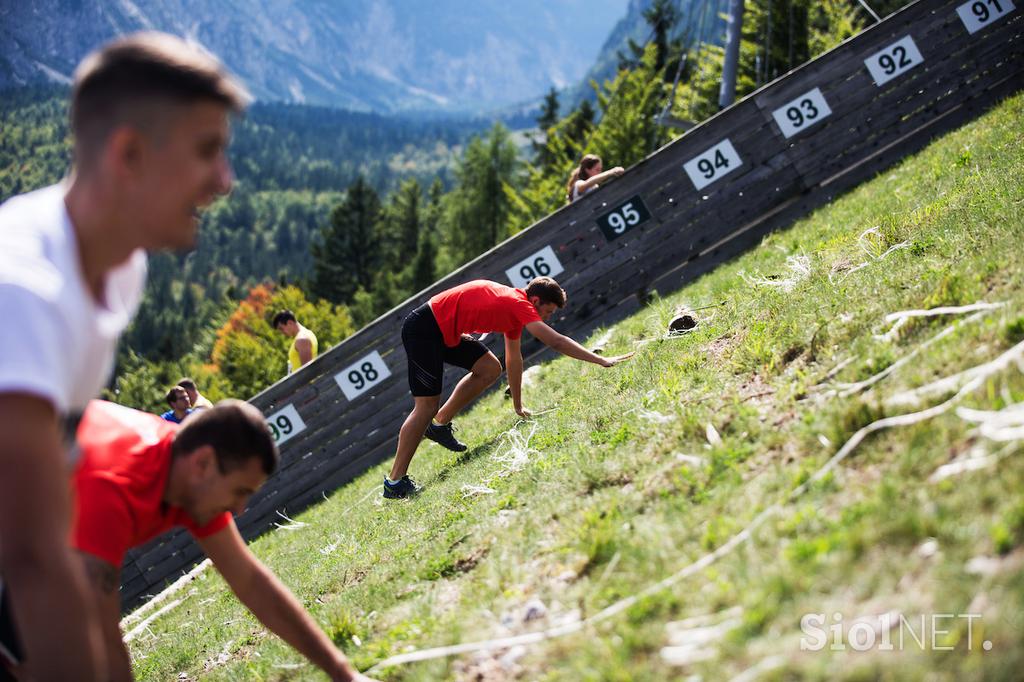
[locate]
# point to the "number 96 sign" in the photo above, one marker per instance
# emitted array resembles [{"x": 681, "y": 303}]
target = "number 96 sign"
[
  {"x": 362, "y": 375},
  {"x": 544, "y": 263}
]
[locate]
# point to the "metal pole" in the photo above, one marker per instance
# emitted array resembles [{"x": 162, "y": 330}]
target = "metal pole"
[{"x": 727, "y": 94}]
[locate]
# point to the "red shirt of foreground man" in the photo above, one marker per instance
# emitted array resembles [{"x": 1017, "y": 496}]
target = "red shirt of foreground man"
[
  {"x": 482, "y": 306},
  {"x": 120, "y": 478}
]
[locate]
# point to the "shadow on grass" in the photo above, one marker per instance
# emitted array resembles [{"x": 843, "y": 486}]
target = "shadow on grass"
[{"x": 469, "y": 455}]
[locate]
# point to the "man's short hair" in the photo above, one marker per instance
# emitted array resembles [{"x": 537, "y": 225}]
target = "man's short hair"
[
  {"x": 176, "y": 393},
  {"x": 283, "y": 317},
  {"x": 235, "y": 430},
  {"x": 187, "y": 384},
  {"x": 547, "y": 290},
  {"x": 144, "y": 68}
]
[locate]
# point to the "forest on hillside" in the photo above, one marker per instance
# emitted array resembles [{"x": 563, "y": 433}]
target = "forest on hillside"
[{"x": 340, "y": 216}]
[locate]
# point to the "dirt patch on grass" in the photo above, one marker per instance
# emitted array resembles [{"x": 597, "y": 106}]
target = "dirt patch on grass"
[{"x": 720, "y": 347}]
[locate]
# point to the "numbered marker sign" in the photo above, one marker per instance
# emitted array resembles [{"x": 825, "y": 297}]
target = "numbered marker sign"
[
  {"x": 544, "y": 263},
  {"x": 362, "y": 375},
  {"x": 716, "y": 162},
  {"x": 894, "y": 60},
  {"x": 623, "y": 218},
  {"x": 802, "y": 113},
  {"x": 978, "y": 14},
  {"x": 285, "y": 424}
]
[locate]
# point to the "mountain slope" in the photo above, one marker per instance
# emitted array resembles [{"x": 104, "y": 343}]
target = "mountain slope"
[
  {"x": 379, "y": 55},
  {"x": 705, "y": 463}
]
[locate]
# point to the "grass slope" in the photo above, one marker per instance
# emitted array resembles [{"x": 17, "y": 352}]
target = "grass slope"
[{"x": 624, "y": 484}]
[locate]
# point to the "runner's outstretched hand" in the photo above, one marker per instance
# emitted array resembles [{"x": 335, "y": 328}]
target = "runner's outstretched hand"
[{"x": 611, "y": 362}]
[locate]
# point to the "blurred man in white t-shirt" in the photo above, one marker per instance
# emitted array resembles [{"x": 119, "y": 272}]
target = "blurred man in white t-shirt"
[{"x": 150, "y": 118}]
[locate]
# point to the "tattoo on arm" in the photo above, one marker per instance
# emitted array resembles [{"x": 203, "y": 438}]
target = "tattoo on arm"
[{"x": 101, "y": 574}]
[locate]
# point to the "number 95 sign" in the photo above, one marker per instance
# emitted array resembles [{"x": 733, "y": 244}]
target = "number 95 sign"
[
  {"x": 623, "y": 218},
  {"x": 544, "y": 263}
]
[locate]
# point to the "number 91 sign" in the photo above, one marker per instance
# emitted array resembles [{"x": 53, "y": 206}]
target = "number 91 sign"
[
  {"x": 544, "y": 263},
  {"x": 362, "y": 375},
  {"x": 285, "y": 424}
]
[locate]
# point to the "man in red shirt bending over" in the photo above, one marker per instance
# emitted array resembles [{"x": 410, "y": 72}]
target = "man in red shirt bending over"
[
  {"x": 436, "y": 333},
  {"x": 139, "y": 476}
]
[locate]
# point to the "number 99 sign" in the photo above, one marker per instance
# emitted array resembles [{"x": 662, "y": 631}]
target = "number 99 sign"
[
  {"x": 362, "y": 375},
  {"x": 544, "y": 263},
  {"x": 285, "y": 424}
]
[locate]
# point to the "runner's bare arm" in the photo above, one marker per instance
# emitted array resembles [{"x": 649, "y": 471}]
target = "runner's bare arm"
[
  {"x": 272, "y": 603},
  {"x": 304, "y": 347},
  {"x": 566, "y": 346},
  {"x": 55, "y": 619},
  {"x": 514, "y": 371},
  {"x": 105, "y": 583}
]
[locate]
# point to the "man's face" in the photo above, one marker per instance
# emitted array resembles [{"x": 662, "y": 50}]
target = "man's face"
[
  {"x": 192, "y": 395},
  {"x": 213, "y": 493},
  {"x": 182, "y": 402},
  {"x": 182, "y": 169},
  {"x": 545, "y": 310},
  {"x": 289, "y": 328}
]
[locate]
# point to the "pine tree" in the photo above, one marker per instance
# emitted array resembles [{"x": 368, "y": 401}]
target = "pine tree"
[
  {"x": 349, "y": 253},
  {"x": 423, "y": 271},
  {"x": 662, "y": 17},
  {"x": 545, "y": 121},
  {"x": 478, "y": 208}
]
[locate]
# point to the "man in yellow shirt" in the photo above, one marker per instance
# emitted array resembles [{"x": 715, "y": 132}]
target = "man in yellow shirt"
[{"x": 304, "y": 346}]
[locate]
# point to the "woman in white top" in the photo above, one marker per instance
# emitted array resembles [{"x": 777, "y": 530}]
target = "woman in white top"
[{"x": 587, "y": 176}]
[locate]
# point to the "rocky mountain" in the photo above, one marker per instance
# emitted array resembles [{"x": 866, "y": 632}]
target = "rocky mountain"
[
  {"x": 698, "y": 20},
  {"x": 366, "y": 55}
]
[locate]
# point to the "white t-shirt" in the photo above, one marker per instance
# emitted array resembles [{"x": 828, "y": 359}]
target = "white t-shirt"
[{"x": 56, "y": 341}]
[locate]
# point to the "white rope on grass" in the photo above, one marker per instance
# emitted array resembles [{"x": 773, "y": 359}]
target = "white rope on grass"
[
  {"x": 864, "y": 243},
  {"x": 141, "y": 627},
  {"x": 1014, "y": 354},
  {"x": 845, "y": 390},
  {"x": 799, "y": 268},
  {"x": 292, "y": 523},
  {"x": 174, "y": 587},
  {"x": 166, "y": 593}
]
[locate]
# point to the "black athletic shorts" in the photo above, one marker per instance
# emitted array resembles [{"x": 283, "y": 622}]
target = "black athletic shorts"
[
  {"x": 424, "y": 346},
  {"x": 10, "y": 645}
]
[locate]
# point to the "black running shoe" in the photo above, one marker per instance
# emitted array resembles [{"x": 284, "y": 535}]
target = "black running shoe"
[
  {"x": 406, "y": 487},
  {"x": 445, "y": 437}
]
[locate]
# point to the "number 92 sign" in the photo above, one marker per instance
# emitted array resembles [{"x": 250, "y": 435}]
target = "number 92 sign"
[
  {"x": 544, "y": 263},
  {"x": 285, "y": 424},
  {"x": 362, "y": 375}
]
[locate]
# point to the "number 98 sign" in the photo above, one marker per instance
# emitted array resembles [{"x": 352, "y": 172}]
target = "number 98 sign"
[
  {"x": 544, "y": 263},
  {"x": 362, "y": 375},
  {"x": 285, "y": 424}
]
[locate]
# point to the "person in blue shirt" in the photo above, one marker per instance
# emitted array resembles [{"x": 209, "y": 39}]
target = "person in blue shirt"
[{"x": 177, "y": 398}]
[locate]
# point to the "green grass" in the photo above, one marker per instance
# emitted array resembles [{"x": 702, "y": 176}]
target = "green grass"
[{"x": 604, "y": 506}]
